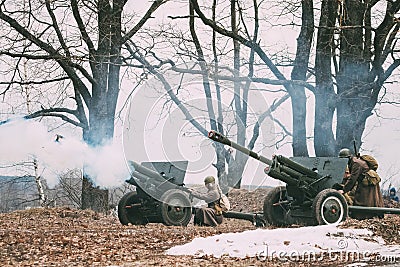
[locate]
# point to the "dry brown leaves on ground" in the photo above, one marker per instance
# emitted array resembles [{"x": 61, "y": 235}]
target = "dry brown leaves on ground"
[
  {"x": 67, "y": 237},
  {"x": 245, "y": 201},
  {"x": 388, "y": 228}
]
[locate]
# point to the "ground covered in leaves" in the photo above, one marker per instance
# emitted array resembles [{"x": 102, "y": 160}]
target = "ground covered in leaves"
[{"x": 67, "y": 237}]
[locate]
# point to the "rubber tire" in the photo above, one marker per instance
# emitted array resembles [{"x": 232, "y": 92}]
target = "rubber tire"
[
  {"x": 130, "y": 215},
  {"x": 275, "y": 215},
  {"x": 336, "y": 199},
  {"x": 171, "y": 200}
]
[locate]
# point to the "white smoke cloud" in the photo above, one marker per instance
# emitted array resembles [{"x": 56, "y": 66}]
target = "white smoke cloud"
[
  {"x": 22, "y": 140},
  {"x": 106, "y": 165}
]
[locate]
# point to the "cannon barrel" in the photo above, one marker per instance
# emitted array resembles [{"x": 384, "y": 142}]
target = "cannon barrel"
[
  {"x": 297, "y": 167},
  {"x": 279, "y": 167},
  {"x": 145, "y": 172},
  {"x": 149, "y": 180},
  {"x": 215, "y": 136}
]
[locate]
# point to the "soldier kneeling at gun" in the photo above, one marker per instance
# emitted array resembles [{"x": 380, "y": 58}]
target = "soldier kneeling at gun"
[
  {"x": 361, "y": 185},
  {"x": 212, "y": 214}
]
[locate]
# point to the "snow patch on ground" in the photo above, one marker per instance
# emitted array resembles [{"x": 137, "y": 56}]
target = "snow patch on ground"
[{"x": 288, "y": 242}]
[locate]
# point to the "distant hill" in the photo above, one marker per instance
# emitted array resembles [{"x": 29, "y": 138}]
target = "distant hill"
[
  {"x": 254, "y": 187},
  {"x": 17, "y": 192}
]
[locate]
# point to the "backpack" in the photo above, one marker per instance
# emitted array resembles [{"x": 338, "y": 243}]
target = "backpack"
[
  {"x": 371, "y": 161},
  {"x": 371, "y": 177}
]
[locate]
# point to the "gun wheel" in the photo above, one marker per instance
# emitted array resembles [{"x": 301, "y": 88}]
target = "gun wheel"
[
  {"x": 329, "y": 207},
  {"x": 129, "y": 209},
  {"x": 175, "y": 208},
  {"x": 274, "y": 212}
]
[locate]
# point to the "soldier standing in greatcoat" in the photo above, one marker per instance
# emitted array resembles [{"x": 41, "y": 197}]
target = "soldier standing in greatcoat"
[{"x": 366, "y": 194}]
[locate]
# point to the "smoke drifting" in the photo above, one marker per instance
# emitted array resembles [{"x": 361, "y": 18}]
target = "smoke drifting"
[{"x": 23, "y": 140}]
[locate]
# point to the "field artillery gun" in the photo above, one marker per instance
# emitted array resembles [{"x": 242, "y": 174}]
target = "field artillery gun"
[
  {"x": 308, "y": 197},
  {"x": 160, "y": 195}
]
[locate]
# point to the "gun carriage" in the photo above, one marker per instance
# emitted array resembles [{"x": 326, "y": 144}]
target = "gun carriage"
[
  {"x": 307, "y": 198},
  {"x": 160, "y": 195}
]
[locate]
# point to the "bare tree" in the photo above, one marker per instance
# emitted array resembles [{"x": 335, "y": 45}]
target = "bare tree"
[
  {"x": 76, "y": 47},
  {"x": 365, "y": 58},
  {"x": 213, "y": 74},
  {"x": 368, "y": 59},
  {"x": 68, "y": 190}
]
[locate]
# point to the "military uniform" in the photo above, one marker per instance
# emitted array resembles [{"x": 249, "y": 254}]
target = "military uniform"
[
  {"x": 349, "y": 196},
  {"x": 364, "y": 195},
  {"x": 210, "y": 215}
]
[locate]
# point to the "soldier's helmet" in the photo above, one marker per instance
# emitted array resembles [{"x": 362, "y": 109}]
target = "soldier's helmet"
[
  {"x": 209, "y": 179},
  {"x": 344, "y": 153}
]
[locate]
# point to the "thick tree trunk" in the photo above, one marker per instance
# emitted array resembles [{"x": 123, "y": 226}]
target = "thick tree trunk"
[
  {"x": 236, "y": 169},
  {"x": 299, "y": 72},
  {"x": 93, "y": 197},
  {"x": 106, "y": 72},
  {"x": 101, "y": 130},
  {"x": 354, "y": 92},
  {"x": 298, "y": 100},
  {"x": 325, "y": 101}
]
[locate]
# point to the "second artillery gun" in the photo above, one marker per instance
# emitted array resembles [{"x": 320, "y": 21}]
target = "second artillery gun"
[
  {"x": 308, "y": 197},
  {"x": 160, "y": 195}
]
